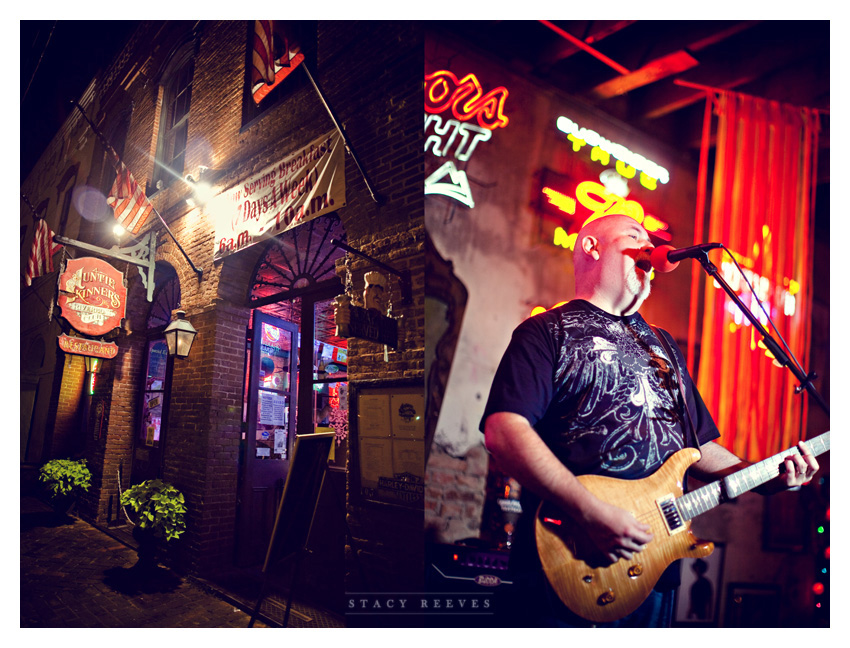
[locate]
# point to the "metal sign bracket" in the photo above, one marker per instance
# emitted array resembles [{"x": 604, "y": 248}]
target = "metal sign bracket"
[{"x": 142, "y": 254}]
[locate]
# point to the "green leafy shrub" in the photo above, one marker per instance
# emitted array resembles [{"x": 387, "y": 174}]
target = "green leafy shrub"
[
  {"x": 159, "y": 507},
  {"x": 64, "y": 477}
]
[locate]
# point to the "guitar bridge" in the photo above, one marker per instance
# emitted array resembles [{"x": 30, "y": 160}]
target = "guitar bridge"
[{"x": 670, "y": 513}]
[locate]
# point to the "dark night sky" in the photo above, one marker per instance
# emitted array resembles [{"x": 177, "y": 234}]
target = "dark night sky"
[{"x": 74, "y": 54}]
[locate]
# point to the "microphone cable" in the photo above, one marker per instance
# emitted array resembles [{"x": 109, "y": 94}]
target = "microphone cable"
[{"x": 767, "y": 315}]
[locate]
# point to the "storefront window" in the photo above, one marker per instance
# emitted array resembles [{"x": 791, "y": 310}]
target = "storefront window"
[
  {"x": 330, "y": 376},
  {"x": 152, "y": 427},
  {"x": 157, "y": 363}
]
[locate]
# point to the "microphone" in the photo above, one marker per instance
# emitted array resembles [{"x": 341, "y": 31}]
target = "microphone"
[{"x": 665, "y": 258}]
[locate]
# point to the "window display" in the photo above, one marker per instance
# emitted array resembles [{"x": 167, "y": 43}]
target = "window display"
[{"x": 157, "y": 362}]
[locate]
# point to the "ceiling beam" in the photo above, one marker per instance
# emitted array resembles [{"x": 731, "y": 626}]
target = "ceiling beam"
[
  {"x": 561, "y": 49},
  {"x": 584, "y": 46},
  {"x": 731, "y": 69},
  {"x": 653, "y": 71}
]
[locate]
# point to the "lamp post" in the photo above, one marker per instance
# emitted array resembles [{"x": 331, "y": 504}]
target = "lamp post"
[{"x": 179, "y": 335}]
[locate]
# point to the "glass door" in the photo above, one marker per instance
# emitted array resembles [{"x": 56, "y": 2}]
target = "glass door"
[
  {"x": 274, "y": 383},
  {"x": 269, "y": 431}
]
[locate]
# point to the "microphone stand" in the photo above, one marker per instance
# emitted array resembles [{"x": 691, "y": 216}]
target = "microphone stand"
[{"x": 778, "y": 352}]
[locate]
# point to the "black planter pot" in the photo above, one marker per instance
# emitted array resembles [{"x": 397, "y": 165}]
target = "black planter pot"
[
  {"x": 62, "y": 505},
  {"x": 147, "y": 550}
]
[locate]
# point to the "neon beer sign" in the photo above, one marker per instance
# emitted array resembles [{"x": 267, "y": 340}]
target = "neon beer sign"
[
  {"x": 454, "y": 133},
  {"x": 628, "y": 163},
  {"x": 465, "y": 99}
]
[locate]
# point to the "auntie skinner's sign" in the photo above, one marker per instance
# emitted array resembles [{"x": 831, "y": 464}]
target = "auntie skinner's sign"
[
  {"x": 92, "y": 296},
  {"x": 302, "y": 186}
]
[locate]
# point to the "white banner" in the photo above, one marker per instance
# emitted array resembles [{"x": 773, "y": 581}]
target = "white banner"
[{"x": 302, "y": 186}]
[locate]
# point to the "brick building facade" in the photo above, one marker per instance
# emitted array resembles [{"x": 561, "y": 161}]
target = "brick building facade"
[{"x": 368, "y": 76}]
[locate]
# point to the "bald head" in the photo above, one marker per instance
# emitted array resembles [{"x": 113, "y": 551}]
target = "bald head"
[
  {"x": 605, "y": 254},
  {"x": 601, "y": 231}
]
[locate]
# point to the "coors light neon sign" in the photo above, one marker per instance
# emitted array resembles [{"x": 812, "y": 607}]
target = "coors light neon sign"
[{"x": 466, "y": 102}]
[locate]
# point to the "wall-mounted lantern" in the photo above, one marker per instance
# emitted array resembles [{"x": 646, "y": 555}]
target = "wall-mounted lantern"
[{"x": 179, "y": 335}]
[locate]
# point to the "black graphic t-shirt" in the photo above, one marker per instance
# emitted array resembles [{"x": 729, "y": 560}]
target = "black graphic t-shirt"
[
  {"x": 601, "y": 392},
  {"x": 599, "y": 389}
]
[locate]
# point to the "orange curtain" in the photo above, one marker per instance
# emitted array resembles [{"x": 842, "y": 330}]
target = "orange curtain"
[{"x": 762, "y": 210}]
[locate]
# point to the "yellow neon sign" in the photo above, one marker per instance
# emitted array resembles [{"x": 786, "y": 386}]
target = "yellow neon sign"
[
  {"x": 601, "y": 202},
  {"x": 628, "y": 162}
]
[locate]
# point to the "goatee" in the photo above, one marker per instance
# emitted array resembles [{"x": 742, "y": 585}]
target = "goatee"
[{"x": 639, "y": 284}]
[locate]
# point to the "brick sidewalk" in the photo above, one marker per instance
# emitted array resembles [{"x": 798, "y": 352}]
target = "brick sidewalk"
[{"x": 74, "y": 576}]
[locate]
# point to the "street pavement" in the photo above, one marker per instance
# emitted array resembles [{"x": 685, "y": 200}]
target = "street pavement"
[{"x": 74, "y": 575}]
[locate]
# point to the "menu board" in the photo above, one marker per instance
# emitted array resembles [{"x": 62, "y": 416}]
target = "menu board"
[{"x": 390, "y": 443}]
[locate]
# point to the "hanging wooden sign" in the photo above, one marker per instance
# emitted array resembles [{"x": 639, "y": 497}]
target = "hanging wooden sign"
[
  {"x": 366, "y": 324},
  {"x": 92, "y": 296},
  {"x": 369, "y": 324},
  {"x": 82, "y": 346}
]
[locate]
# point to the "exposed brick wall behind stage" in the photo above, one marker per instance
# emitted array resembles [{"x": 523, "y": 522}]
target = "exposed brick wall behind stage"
[{"x": 454, "y": 497}]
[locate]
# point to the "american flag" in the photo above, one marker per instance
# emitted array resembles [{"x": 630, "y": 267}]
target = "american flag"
[
  {"x": 128, "y": 201},
  {"x": 41, "y": 254},
  {"x": 274, "y": 57}
]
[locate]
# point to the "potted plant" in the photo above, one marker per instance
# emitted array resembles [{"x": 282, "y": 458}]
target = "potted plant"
[
  {"x": 160, "y": 514},
  {"x": 65, "y": 480}
]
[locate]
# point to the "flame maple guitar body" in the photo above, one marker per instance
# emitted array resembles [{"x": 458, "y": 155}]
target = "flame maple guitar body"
[{"x": 583, "y": 579}]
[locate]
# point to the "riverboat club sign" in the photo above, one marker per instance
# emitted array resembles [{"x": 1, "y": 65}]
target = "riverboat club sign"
[
  {"x": 302, "y": 186},
  {"x": 92, "y": 296}
]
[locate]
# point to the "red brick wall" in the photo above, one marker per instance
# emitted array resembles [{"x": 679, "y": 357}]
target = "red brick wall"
[
  {"x": 68, "y": 435},
  {"x": 389, "y": 539},
  {"x": 455, "y": 496},
  {"x": 119, "y": 386}
]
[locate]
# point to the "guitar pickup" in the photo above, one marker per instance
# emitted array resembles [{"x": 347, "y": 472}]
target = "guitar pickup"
[{"x": 670, "y": 513}]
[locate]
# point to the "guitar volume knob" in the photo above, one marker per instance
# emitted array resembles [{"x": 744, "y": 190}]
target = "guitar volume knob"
[
  {"x": 606, "y": 597},
  {"x": 635, "y": 571}
]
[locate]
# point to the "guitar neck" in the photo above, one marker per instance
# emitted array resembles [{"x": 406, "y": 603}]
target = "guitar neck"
[{"x": 706, "y": 498}]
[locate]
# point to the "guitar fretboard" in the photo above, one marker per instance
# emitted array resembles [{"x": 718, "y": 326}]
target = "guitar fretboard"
[{"x": 706, "y": 498}]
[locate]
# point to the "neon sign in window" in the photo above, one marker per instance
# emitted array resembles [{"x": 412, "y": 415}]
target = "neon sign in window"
[
  {"x": 628, "y": 162},
  {"x": 457, "y": 186}
]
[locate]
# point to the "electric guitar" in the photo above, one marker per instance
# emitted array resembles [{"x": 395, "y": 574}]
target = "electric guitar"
[{"x": 588, "y": 584}]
